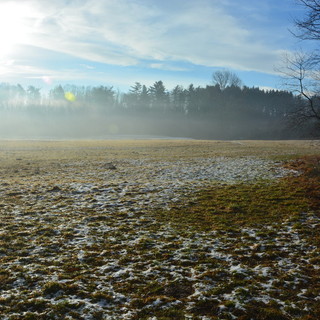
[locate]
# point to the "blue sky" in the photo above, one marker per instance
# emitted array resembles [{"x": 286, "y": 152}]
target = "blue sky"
[{"x": 118, "y": 42}]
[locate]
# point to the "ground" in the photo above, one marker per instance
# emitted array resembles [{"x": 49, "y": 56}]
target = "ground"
[{"x": 159, "y": 229}]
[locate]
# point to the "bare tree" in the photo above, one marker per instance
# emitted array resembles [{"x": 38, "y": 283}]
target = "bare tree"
[
  {"x": 226, "y": 78},
  {"x": 301, "y": 70},
  {"x": 301, "y": 75},
  {"x": 309, "y": 26}
]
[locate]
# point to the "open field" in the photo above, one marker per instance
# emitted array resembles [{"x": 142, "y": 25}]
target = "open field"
[{"x": 160, "y": 229}]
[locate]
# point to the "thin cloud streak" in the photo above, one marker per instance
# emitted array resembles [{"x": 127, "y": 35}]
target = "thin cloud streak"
[{"x": 165, "y": 66}]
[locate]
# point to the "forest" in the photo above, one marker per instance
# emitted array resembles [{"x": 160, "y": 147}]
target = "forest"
[{"x": 211, "y": 112}]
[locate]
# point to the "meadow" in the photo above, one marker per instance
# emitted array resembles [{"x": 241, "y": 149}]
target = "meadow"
[{"x": 159, "y": 229}]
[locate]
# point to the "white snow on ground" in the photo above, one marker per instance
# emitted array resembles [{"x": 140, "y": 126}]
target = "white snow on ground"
[{"x": 138, "y": 184}]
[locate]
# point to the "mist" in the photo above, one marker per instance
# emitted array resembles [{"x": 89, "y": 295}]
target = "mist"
[{"x": 72, "y": 112}]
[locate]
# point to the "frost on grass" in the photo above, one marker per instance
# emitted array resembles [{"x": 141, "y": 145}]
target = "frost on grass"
[{"x": 90, "y": 242}]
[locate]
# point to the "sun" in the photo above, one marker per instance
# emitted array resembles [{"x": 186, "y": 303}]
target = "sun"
[{"x": 14, "y": 26}]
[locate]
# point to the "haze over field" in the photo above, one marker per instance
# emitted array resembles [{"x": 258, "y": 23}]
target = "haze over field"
[
  {"x": 204, "y": 69},
  {"x": 152, "y": 163}
]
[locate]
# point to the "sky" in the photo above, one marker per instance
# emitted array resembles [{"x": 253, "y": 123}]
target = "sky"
[{"x": 120, "y": 42}]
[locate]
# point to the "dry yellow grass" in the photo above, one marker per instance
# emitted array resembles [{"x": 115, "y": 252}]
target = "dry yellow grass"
[{"x": 166, "y": 149}]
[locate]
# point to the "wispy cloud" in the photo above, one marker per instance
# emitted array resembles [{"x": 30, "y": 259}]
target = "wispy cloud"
[
  {"x": 118, "y": 42},
  {"x": 125, "y": 32}
]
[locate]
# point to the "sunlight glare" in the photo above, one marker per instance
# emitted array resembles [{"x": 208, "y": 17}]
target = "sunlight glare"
[{"x": 14, "y": 27}]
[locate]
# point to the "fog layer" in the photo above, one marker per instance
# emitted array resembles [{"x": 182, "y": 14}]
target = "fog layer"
[{"x": 100, "y": 112}]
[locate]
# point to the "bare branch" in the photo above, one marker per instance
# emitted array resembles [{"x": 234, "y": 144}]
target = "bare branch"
[
  {"x": 309, "y": 27},
  {"x": 301, "y": 76},
  {"x": 226, "y": 78}
]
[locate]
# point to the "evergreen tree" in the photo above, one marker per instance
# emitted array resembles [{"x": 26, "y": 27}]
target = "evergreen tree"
[{"x": 159, "y": 96}]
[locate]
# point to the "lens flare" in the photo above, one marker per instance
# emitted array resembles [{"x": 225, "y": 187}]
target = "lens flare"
[
  {"x": 70, "y": 96},
  {"x": 47, "y": 79}
]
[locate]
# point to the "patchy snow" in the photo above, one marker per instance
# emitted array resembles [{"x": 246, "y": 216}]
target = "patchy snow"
[{"x": 87, "y": 244}]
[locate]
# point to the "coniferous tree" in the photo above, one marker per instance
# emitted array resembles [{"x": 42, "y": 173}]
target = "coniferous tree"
[{"x": 159, "y": 96}]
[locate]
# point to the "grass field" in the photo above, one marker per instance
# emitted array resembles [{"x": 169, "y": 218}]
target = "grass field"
[{"x": 160, "y": 229}]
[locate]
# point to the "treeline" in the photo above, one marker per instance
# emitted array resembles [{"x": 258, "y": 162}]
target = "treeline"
[{"x": 209, "y": 112}]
